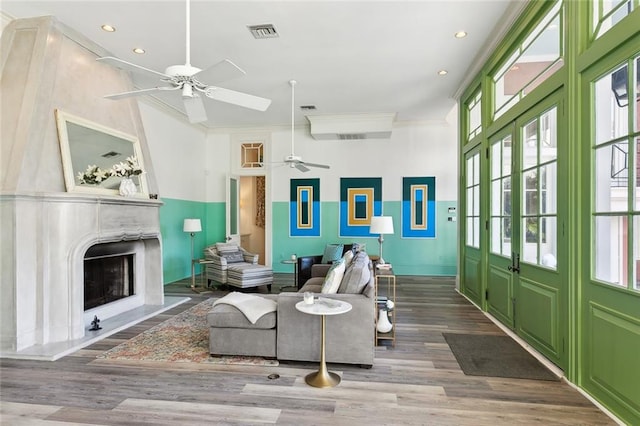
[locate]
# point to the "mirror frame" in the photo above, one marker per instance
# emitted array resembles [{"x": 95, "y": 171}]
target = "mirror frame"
[{"x": 102, "y": 132}]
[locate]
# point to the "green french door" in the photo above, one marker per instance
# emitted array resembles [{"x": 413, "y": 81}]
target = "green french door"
[
  {"x": 524, "y": 287},
  {"x": 471, "y": 263}
]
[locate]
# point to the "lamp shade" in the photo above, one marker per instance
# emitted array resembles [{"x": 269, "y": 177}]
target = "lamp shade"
[
  {"x": 381, "y": 225},
  {"x": 192, "y": 225}
]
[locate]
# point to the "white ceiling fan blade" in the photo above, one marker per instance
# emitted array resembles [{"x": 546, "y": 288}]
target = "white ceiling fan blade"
[
  {"x": 322, "y": 166},
  {"x": 139, "y": 92},
  {"x": 195, "y": 109},
  {"x": 237, "y": 98},
  {"x": 128, "y": 66},
  {"x": 222, "y": 71},
  {"x": 301, "y": 167}
]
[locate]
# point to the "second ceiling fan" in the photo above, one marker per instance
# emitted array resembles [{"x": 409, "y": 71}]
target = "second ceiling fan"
[
  {"x": 192, "y": 81},
  {"x": 293, "y": 160}
]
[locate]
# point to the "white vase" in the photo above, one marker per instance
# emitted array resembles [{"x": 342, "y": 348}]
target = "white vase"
[
  {"x": 127, "y": 187},
  {"x": 384, "y": 325}
]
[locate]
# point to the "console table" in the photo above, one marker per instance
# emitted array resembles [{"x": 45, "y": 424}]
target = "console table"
[{"x": 323, "y": 378}]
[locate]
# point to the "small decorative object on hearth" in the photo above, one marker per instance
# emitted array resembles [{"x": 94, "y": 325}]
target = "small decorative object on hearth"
[{"x": 95, "y": 324}]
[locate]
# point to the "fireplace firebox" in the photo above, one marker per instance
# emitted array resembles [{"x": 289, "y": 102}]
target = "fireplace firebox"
[{"x": 109, "y": 274}]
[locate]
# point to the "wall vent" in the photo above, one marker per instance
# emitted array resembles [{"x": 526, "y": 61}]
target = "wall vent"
[
  {"x": 308, "y": 107},
  {"x": 351, "y": 136},
  {"x": 263, "y": 31}
]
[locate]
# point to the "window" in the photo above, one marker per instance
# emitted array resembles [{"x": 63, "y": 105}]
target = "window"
[
  {"x": 252, "y": 155},
  {"x": 473, "y": 201},
  {"x": 616, "y": 176},
  {"x": 607, "y": 13},
  {"x": 501, "y": 159},
  {"x": 537, "y": 58},
  {"x": 539, "y": 182},
  {"x": 474, "y": 108}
]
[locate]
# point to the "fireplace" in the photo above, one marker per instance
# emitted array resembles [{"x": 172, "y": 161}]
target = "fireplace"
[{"x": 109, "y": 274}]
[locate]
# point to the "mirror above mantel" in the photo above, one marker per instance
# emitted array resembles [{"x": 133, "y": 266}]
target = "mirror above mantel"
[{"x": 93, "y": 150}]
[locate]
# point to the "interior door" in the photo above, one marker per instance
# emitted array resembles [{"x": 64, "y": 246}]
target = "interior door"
[
  {"x": 472, "y": 285},
  {"x": 524, "y": 286},
  {"x": 233, "y": 209},
  {"x": 500, "y": 294}
]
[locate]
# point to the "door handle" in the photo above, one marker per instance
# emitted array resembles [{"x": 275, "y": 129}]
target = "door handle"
[{"x": 515, "y": 263}]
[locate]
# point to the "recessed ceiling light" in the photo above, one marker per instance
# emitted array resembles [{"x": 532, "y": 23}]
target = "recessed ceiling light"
[
  {"x": 108, "y": 28},
  {"x": 460, "y": 34},
  {"x": 138, "y": 50},
  {"x": 443, "y": 72}
]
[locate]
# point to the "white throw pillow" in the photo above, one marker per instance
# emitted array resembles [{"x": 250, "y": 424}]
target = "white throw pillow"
[
  {"x": 334, "y": 277},
  {"x": 348, "y": 257}
]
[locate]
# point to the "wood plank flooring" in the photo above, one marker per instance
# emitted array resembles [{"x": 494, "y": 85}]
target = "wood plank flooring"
[{"x": 417, "y": 382}]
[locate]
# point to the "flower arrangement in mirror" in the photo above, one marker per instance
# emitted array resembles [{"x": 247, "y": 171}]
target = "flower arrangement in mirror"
[{"x": 94, "y": 175}]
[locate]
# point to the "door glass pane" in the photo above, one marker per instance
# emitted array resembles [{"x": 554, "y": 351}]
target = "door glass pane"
[
  {"x": 506, "y": 156},
  {"x": 496, "y": 165},
  {"x": 233, "y": 206},
  {"x": 495, "y": 195},
  {"x": 476, "y": 169},
  {"x": 637, "y": 92},
  {"x": 476, "y": 200},
  {"x": 469, "y": 172},
  {"x": 530, "y": 145},
  {"x": 548, "y": 184},
  {"x": 531, "y": 192},
  {"x": 470, "y": 231},
  {"x": 506, "y": 239},
  {"x": 611, "y": 177},
  {"x": 476, "y": 232},
  {"x": 610, "y": 247},
  {"x": 636, "y": 193},
  {"x": 548, "y": 238},
  {"x": 506, "y": 197},
  {"x": 496, "y": 235},
  {"x": 530, "y": 245},
  {"x": 636, "y": 252}
]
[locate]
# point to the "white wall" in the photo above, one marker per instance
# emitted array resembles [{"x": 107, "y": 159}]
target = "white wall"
[
  {"x": 414, "y": 149},
  {"x": 178, "y": 153}
]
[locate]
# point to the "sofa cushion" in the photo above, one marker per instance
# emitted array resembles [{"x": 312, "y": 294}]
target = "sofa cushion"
[
  {"x": 227, "y": 247},
  {"x": 347, "y": 257},
  {"x": 332, "y": 252},
  {"x": 357, "y": 275},
  {"x": 232, "y": 256},
  {"x": 334, "y": 277}
]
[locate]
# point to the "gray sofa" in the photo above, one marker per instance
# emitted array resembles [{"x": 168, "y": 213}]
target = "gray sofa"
[{"x": 350, "y": 337}]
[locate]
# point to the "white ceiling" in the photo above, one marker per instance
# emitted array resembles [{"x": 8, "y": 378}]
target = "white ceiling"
[{"x": 347, "y": 56}]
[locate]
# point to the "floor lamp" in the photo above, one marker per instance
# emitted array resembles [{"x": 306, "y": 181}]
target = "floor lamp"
[
  {"x": 381, "y": 225},
  {"x": 192, "y": 226}
]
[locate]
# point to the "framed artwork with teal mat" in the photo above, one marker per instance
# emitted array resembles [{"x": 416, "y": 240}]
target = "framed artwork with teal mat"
[
  {"x": 360, "y": 199},
  {"x": 419, "y": 207},
  {"x": 304, "y": 208}
]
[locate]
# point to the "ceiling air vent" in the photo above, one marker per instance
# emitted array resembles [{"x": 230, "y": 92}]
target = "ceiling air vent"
[
  {"x": 263, "y": 31},
  {"x": 308, "y": 107},
  {"x": 351, "y": 136}
]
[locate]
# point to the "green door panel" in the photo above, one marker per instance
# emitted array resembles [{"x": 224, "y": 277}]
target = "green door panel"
[
  {"x": 500, "y": 292},
  {"x": 538, "y": 317},
  {"x": 472, "y": 283}
]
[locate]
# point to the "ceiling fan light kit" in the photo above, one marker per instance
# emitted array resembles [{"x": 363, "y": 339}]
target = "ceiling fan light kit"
[{"x": 191, "y": 80}]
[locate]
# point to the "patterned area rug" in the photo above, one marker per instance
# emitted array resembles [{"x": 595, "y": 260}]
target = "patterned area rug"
[{"x": 183, "y": 338}]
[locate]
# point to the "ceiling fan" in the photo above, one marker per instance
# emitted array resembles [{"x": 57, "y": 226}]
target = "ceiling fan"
[
  {"x": 191, "y": 82},
  {"x": 292, "y": 159}
]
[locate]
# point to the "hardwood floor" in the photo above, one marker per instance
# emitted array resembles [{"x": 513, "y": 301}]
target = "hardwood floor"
[{"x": 417, "y": 382}]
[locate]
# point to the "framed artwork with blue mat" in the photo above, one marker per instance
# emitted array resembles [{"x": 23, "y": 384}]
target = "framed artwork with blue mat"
[
  {"x": 360, "y": 200},
  {"x": 304, "y": 208},
  {"x": 419, "y": 207}
]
